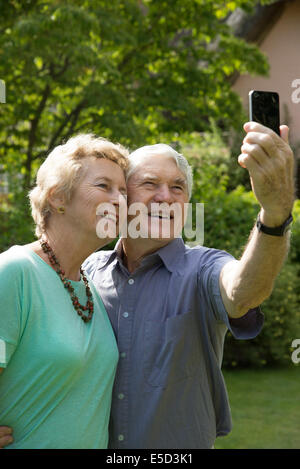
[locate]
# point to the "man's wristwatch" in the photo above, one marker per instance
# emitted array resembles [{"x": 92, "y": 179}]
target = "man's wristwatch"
[{"x": 276, "y": 230}]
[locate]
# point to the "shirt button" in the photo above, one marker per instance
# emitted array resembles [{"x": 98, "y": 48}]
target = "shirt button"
[
  {"x": 123, "y": 354},
  {"x": 125, "y": 315},
  {"x": 131, "y": 281},
  {"x": 121, "y": 395},
  {"x": 121, "y": 437}
]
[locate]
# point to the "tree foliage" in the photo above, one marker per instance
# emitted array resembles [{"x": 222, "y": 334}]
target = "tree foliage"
[{"x": 133, "y": 71}]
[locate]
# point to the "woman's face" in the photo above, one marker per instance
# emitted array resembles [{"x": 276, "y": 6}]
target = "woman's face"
[{"x": 98, "y": 204}]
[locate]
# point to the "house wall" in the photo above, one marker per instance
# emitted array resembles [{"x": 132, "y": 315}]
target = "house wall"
[{"x": 282, "y": 47}]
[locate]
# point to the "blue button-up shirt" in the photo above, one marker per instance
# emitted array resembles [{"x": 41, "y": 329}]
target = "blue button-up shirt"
[{"x": 170, "y": 324}]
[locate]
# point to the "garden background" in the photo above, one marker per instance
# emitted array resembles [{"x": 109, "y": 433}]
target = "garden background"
[{"x": 141, "y": 72}]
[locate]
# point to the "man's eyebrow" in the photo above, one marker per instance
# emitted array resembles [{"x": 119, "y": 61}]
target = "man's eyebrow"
[
  {"x": 180, "y": 181},
  {"x": 151, "y": 177},
  {"x": 148, "y": 176}
]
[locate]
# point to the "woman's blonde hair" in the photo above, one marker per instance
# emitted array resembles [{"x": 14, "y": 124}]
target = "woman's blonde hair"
[{"x": 63, "y": 167}]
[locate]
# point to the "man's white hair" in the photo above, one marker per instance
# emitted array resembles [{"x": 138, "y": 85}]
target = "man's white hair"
[{"x": 135, "y": 158}]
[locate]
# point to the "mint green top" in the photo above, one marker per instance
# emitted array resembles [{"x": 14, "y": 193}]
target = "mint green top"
[{"x": 55, "y": 390}]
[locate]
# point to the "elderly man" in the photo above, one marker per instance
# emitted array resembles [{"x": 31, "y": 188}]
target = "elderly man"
[{"x": 171, "y": 305}]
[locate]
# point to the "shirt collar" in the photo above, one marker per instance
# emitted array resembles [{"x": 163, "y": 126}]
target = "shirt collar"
[
  {"x": 171, "y": 255},
  {"x": 107, "y": 257}
]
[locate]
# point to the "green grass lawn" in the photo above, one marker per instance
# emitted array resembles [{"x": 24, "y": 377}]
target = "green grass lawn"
[{"x": 265, "y": 406}]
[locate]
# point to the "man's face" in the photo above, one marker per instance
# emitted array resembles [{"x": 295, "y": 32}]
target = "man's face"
[{"x": 157, "y": 184}]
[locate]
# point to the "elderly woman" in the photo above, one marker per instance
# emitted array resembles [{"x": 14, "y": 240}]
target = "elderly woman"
[{"x": 58, "y": 353}]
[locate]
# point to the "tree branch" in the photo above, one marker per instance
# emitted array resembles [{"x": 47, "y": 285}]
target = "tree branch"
[
  {"x": 56, "y": 74},
  {"x": 73, "y": 116},
  {"x": 32, "y": 133}
]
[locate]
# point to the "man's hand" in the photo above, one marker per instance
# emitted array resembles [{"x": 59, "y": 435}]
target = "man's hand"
[
  {"x": 5, "y": 436},
  {"x": 270, "y": 162}
]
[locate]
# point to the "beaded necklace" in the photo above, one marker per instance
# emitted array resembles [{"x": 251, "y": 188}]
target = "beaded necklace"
[{"x": 79, "y": 308}]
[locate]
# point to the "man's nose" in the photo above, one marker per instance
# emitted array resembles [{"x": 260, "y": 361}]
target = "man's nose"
[{"x": 163, "y": 194}]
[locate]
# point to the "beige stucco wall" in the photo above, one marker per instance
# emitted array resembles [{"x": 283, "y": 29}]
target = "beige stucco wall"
[{"x": 282, "y": 47}]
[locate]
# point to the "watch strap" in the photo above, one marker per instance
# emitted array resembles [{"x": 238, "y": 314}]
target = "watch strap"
[{"x": 276, "y": 230}]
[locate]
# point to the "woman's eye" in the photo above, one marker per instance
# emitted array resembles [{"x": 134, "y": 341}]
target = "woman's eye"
[{"x": 102, "y": 185}]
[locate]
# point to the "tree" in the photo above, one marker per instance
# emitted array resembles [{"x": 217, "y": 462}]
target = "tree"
[{"x": 133, "y": 71}]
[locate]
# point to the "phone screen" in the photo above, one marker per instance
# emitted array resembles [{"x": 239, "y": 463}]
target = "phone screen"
[{"x": 264, "y": 108}]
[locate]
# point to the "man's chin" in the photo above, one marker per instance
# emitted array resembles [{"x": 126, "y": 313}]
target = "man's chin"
[
  {"x": 163, "y": 230},
  {"x": 161, "y": 236}
]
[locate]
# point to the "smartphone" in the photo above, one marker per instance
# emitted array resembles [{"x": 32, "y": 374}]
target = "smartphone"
[{"x": 264, "y": 108}]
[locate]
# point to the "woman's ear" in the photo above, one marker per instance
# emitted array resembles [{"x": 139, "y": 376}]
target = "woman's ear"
[{"x": 56, "y": 201}]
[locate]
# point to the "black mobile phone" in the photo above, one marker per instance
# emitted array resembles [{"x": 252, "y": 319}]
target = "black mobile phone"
[{"x": 264, "y": 108}]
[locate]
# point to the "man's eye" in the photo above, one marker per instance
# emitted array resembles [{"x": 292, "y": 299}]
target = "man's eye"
[
  {"x": 178, "y": 188},
  {"x": 102, "y": 185}
]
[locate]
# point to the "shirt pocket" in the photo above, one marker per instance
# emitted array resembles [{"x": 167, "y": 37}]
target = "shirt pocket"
[{"x": 170, "y": 350}]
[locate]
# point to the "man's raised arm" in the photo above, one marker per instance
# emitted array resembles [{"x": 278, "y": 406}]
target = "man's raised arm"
[{"x": 269, "y": 160}]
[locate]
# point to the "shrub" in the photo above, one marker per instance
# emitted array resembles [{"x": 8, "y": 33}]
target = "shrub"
[
  {"x": 282, "y": 324},
  {"x": 16, "y": 224}
]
